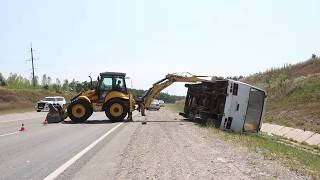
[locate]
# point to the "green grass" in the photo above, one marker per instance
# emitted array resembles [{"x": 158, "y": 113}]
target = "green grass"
[
  {"x": 293, "y": 157},
  {"x": 176, "y": 107},
  {"x": 307, "y": 90}
]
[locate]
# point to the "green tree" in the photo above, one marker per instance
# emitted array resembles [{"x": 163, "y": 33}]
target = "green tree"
[
  {"x": 44, "y": 80},
  {"x": 36, "y": 80},
  {"x": 56, "y": 86},
  {"x": 2, "y": 80},
  {"x": 15, "y": 81},
  {"x": 49, "y": 80},
  {"x": 65, "y": 85},
  {"x": 58, "y": 82},
  {"x": 72, "y": 85},
  {"x": 79, "y": 87}
]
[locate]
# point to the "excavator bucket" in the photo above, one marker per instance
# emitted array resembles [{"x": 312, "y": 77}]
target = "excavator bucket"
[{"x": 56, "y": 113}]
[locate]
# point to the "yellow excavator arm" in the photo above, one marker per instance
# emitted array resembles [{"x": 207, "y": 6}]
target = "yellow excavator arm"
[{"x": 164, "y": 83}]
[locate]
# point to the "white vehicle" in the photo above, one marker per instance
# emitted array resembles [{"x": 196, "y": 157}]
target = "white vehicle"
[
  {"x": 244, "y": 107},
  {"x": 226, "y": 104},
  {"x": 161, "y": 102},
  {"x": 42, "y": 105},
  {"x": 154, "y": 105}
]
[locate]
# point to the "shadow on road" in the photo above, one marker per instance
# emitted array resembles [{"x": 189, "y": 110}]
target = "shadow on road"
[
  {"x": 174, "y": 121},
  {"x": 134, "y": 121},
  {"x": 90, "y": 122}
]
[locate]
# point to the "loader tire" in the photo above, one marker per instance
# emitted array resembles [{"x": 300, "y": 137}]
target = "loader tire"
[
  {"x": 79, "y": 111},
  {"x": 116, "y": 110}
]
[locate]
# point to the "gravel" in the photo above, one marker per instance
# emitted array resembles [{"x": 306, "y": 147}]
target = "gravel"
[{"x": 168, "y": 147}]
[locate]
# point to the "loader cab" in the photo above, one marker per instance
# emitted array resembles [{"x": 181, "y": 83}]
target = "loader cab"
[{"x": 111, "y": 81}]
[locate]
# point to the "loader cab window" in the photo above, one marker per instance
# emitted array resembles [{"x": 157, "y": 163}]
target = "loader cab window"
[
  {"x": 119, "y": 84},
  {"x": 105, "y": 86}
]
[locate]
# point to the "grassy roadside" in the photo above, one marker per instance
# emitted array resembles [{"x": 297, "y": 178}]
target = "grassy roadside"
[
  {"x": 177, "y": 107},
  {"x": 23, "y": 100},
  {"x": 270, "y": 147}
]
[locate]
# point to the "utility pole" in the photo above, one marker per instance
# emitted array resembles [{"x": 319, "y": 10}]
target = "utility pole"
[
  {"x": 32, "y": 65},
  {"x": 33, "y": 79}
]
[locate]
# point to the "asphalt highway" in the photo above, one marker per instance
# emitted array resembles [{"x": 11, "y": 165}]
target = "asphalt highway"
[
  {"x": 166, "y": 147},
  {"x": 40, "y": 149}
]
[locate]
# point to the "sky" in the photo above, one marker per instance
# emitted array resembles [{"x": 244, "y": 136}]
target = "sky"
[{"x": 148, "y": 39}]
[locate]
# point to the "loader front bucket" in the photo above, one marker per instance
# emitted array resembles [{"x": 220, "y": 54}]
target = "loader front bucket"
[{"x": 56, "y": 113}]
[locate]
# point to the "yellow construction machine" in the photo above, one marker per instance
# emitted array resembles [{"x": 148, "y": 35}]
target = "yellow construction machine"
[{"x": 111, "y": 96}]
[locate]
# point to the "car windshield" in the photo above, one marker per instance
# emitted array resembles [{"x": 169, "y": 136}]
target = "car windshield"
[{"x": 49, "y": 99}]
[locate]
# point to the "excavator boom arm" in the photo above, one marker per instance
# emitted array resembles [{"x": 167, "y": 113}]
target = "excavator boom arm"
[{"x": 164, "y": 83}]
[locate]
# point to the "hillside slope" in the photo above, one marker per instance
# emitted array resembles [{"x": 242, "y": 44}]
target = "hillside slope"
[{"x": 293, "y": 94}]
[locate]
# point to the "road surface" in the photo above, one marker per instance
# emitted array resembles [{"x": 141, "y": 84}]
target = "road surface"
[{"x": 167, "y": 147}]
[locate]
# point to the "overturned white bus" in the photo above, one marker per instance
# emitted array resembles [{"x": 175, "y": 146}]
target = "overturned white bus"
[{"x": 226, "y": 104}]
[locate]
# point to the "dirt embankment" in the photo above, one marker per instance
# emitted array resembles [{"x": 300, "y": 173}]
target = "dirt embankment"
[{"x": 23, "y": 100}]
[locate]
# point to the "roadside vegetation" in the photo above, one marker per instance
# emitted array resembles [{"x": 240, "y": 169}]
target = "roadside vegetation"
[
  {"x": 17, "y": 93},
  {"x": 293, "y": 94},
  {"x": 300, "y": 158},
  {"x": 23, "y": 100},
  {"x": 297, "y": 158},
  {"x": 177, "y": 106}
]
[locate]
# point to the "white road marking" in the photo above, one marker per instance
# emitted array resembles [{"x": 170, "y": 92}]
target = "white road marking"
[
  {"x": 7, "y": 134},
  {"x": 62, "y": 168}
]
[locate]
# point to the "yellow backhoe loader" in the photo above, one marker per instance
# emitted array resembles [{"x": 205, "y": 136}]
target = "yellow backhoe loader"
[{"x": 110, "y": 95}]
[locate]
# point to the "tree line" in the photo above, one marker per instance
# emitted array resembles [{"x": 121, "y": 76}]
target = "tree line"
[
  {"x": 162, "y": 96},
  {"x": 15, "y": 81}
]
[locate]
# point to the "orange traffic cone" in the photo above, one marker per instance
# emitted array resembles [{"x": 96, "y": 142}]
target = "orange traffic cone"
[
  {"x": 45, "y": 122},
  {"x": 22, "y": 128}
]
